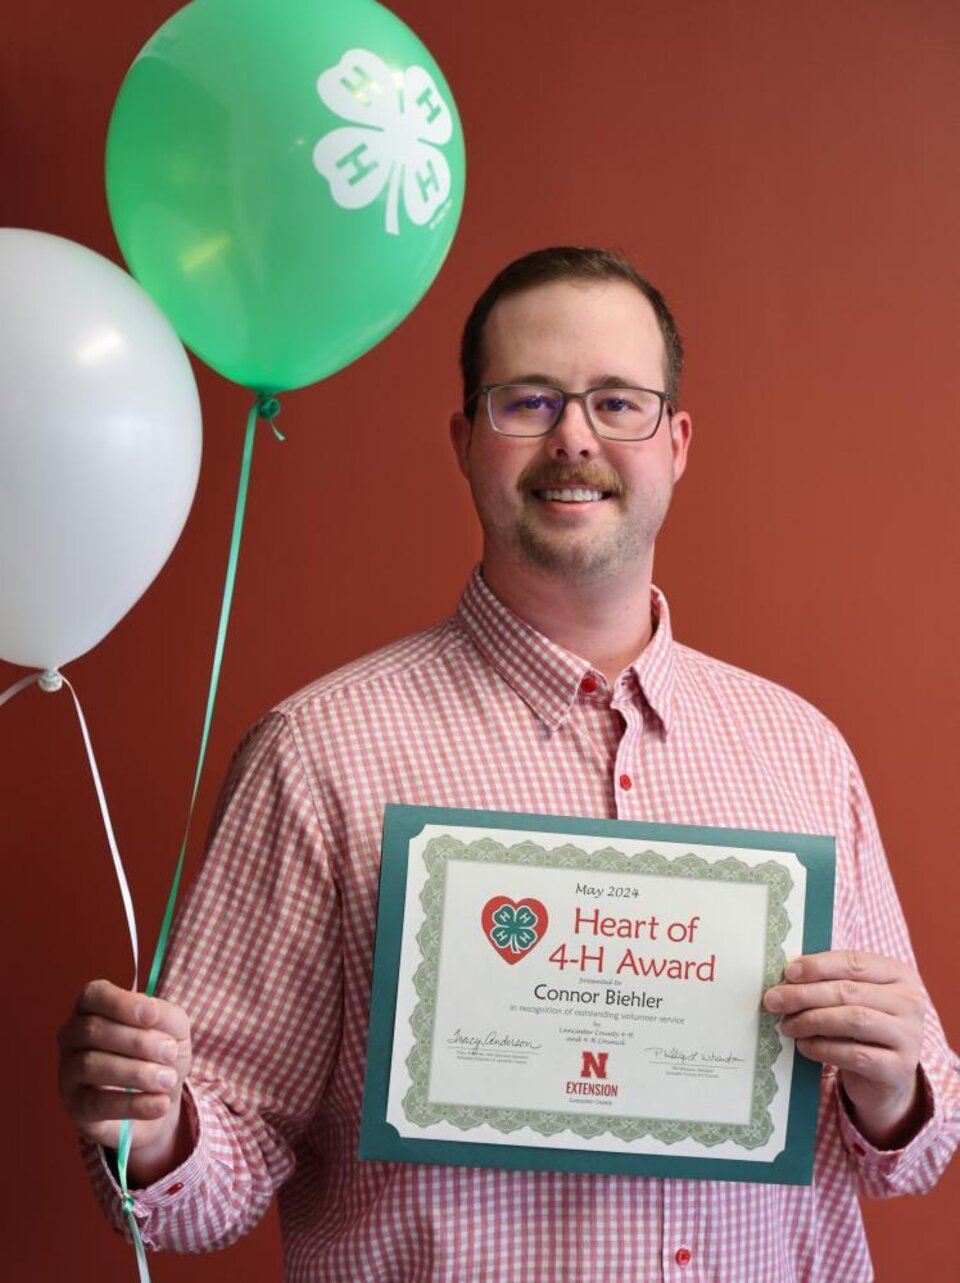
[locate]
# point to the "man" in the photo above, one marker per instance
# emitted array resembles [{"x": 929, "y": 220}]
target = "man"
[{"x": 556, "y": 688}]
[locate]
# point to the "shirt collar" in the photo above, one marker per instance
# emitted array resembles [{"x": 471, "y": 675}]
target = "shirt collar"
[
  {"x": 546, "y": 676},
  {"x": 655, "y": 666}
]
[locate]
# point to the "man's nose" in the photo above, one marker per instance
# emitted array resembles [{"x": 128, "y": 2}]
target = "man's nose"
[{"x": 571, "y": 437}]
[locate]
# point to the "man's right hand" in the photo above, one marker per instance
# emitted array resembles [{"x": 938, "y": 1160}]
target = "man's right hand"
[{"x": 114, "y": 1040}]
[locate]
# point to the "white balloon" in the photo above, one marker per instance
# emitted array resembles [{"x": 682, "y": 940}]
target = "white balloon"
[{"x": 99, "y": 446}]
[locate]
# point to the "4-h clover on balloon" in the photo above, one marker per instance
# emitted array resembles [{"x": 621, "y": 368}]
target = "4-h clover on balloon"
[{"x": 401, "y": 121}]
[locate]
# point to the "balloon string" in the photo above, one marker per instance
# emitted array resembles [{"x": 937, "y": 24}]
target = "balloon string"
[
  {"x": 117, "y": 863},
  {"x": 265, "y": 407},
  {"x": 231, "y": 576},
  {"x": 17, "y": 687},
  {"x": 52, "y": 680}
]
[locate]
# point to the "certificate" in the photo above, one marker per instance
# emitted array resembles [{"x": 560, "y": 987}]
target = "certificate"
[{"x": 584, "y": 995}]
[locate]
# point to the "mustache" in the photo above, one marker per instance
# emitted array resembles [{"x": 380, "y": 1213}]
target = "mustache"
[{"x": 551, "y": 475}]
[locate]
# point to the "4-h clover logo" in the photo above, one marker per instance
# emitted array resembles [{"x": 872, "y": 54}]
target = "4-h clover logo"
[
  {"x": 513, "y": 927},
  {"x": 400, "y": 121}
]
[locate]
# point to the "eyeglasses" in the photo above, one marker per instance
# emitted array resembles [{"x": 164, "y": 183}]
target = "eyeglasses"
[{"x": 533, "y": 410}]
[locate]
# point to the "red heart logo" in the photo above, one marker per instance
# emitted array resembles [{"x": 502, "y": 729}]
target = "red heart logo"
[{"x": 513, "y": 927}]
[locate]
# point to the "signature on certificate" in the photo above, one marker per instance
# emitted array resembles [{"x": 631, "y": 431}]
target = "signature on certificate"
[
  {"x": 492, "y": 1038},
  {"x": 694, "y": 1057}
]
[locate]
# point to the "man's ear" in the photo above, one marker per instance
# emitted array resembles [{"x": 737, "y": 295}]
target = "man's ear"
[
  {"x": 681, "y": 432},
  {"x": 461, "y": 430}
]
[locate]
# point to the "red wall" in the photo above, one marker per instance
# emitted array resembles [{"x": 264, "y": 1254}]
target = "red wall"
[{"x": 788, "y": 174}]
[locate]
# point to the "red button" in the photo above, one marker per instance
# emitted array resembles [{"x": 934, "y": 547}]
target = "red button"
[
  {"x": 626, "y": 782},
  {"x": 683, "y": 1257},
  {"x": 174, "y": 1189},
  {"x": 858, "y": 1150},
  {"x": 588, "y": 685}
]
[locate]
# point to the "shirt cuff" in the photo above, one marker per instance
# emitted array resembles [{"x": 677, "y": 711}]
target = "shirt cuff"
[
  {"x": 150, "y": 1203},
  {"x": 881, "y": 1166}
]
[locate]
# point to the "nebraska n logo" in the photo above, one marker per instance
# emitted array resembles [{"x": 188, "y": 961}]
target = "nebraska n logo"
[{"x": 593, "y": 1066}]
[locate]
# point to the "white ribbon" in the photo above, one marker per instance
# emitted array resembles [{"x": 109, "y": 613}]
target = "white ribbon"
[{"x": 51, "y": 681}]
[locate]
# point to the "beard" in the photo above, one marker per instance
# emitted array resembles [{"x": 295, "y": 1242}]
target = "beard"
[
  {"x": 590, "y": 554},
  {"x": 587, "y": 554}
]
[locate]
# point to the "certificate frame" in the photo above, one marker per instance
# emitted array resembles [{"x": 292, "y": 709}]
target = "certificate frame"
[{"x": 380, "y": 1140}]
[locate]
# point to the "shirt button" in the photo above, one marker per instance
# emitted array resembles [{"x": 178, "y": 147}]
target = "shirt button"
[
  {"x": 858, "y": 1150},
  {"x": 626, "y": 782},
  {"x": 173, "y": 1189},
  {"x": 588, "y": 685},
  {"x": 683, "y": 1257}
]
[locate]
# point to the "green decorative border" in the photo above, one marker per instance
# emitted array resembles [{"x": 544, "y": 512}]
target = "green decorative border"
[{"x": 444, "y": 850}]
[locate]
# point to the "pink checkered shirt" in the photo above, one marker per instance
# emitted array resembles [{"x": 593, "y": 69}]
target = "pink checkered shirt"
[{"x": 272, "y": 959}]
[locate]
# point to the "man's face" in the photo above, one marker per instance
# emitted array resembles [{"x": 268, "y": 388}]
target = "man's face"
[{"x": 574, "y": 336}]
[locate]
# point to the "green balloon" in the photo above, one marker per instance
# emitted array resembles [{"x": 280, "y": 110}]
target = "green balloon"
[{"x": 285, "y": 178}]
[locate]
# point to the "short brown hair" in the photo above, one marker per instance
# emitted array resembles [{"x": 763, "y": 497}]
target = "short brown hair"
[{"x": 564, "y": 263}]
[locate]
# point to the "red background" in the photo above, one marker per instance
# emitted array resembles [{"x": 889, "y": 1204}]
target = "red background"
[{"x": 788, "y": 174}]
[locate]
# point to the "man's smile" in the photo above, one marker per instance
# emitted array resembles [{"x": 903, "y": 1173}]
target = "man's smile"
[
  {"x": 550, "y": 482},
  {"x": 575, "y": 494}
]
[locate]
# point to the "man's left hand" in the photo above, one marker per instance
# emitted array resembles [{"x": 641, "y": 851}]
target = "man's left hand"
[{"x": 864, "y": 1014}]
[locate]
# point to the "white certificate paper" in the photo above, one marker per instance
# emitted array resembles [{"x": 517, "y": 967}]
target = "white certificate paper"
[{"x": 593, "y": 993}]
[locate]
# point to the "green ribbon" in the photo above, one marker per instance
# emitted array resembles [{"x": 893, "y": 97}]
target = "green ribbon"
[{"x": 267, "y": 408}]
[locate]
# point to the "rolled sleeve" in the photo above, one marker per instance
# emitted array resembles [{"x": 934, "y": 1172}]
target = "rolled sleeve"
[
  {"x": 911, "y": 1169},
  {"x": 879, "y": 927}
]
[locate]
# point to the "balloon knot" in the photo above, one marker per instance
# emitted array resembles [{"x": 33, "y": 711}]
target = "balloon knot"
[
  {"x": 50, "y": 681},
  {"x": 268, "y": 407},
  {"x": 126, "y": 1203}
]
